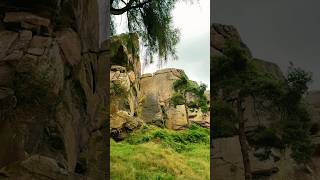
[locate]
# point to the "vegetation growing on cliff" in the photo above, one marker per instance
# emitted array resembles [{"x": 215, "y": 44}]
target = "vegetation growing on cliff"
[
  {"x": 238, "y": 78},
  {"x": 155, "y": 153},
  {"x": 224, "y": 120},
  {"x": 183, "y": 86},
  {"x": 119, "y": 91}
]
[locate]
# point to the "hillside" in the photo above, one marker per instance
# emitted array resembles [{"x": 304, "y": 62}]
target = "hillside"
[
  {"x": 156, "y": 153},
  {"x": 159, "y": 122}
]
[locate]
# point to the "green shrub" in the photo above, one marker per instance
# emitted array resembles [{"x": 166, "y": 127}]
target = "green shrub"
[
  {"x": 177, "y": 99},
  {"x": 203, "y": 104},
  {"x": 224, "y": 122},
  {"x": 178, "y": 141},
  {"x": 265, "y": 137},
  {"x": 118, "y": 90},
  {"x": 302, "y": 152},
  {"x": 184, "y": 85}
]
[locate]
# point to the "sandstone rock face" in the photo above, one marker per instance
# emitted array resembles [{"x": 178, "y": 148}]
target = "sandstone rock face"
[
  {"x": 177, "y": 117},
  {"x": 146, "y": 97},
  {"x": 53, "y": 104},
  {"x": 313, "y": 100},
  {"x": 87, "y": 21},
  {"x": 227, "y": 163},
  {"x": 198, "y": 117},
  {"x": 124, "y": 86},
  {"x": 123, "y": 123},
  {"x": 137, "y": 99},
  {"x": 156, "y": 91},
  {"x": 70, "y": 44},
  {"x": 219, "y": 34},
  {"x": 28, "y": 21}
]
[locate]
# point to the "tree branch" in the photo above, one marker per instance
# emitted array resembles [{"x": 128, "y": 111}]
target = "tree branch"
[{"x": 128, "y": 7}]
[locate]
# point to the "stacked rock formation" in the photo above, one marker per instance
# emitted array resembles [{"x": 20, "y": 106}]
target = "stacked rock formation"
[{"x": 53, "y": 96}]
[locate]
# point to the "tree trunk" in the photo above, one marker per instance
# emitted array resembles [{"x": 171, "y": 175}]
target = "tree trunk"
[
  {"x": 243, "y": 141},
  {"x": 186, "y": 107}
]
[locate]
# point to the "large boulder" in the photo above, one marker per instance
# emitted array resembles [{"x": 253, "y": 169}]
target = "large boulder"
[
  {"x": 228, "y": 162},
  {"x": 156, "y": 93},
  {"x": 122, "y": 123},
  {"x": 177, "y": 117}
]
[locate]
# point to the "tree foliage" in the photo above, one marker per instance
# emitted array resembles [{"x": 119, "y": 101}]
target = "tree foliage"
[
  {"x": 224, "y": 119},
  {"x": 152, "y": 20},
  {"x": 236, "y": 78},
  {"x": 183, "y": 86}
]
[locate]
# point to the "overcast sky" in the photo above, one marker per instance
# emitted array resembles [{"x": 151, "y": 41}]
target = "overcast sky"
[
  {"x": 276, "y": 30},
  {"x": 193, "y": 50}
]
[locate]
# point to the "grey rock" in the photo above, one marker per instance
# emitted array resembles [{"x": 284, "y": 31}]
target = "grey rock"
[{"x": 36, "y": 51}]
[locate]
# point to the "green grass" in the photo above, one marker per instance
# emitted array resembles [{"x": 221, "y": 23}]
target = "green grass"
[{"x": 153, "y": 153}]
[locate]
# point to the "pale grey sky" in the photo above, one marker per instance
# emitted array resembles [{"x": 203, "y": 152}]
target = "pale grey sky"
[
  {"x": 193, "y": 50},
  {"x": 276, "y": 31}
]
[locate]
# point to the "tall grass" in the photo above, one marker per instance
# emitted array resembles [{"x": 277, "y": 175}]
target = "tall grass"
[{"x": 155, "y": 153}]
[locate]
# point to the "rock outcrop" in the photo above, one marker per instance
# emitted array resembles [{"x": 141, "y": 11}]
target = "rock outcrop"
[
  {"x": 145, "y": 98},
  {"x": 156, "y": 107},
  {"x": 157, "y": 89},
  {"x": 227, "y": 158},
  {"x": 53, "y": 98},
  {"x": 219, "y": 34},
  {"x": 124, "y": 85}
]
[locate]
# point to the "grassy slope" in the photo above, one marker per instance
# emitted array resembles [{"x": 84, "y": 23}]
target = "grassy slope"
[{"x": 155, "y": 153}]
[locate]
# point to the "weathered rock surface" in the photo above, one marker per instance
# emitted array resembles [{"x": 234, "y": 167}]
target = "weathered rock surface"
[
  {"x": 53, "y": 103},
  {"x": 228, "y": 161},
  {"x": 122, "y": 123},
  {"x": 125, "y": 86},
  {"x": 144, "y": 97},
  {"x": 156, "y": 92},
  {"x": 29, "y": 21},
  {"x": 313, "y": 100},
  {"x": 219, "y": 34},
  {"x": 70, "y": 45}
]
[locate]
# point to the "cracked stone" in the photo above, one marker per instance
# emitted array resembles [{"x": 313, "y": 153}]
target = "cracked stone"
[{"x": 36, "y": 51}]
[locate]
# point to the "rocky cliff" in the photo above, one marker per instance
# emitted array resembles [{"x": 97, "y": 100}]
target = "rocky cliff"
[
  {"x": 157, "y": 90},
  {"x": 227, "y": 158},
  {"x": 138, "y": 99},
  {"x": 124, "y": 85},
  {"x": 53, "y": 91}
]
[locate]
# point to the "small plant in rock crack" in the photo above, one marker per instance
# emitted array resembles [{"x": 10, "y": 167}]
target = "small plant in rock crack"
[{"x": 118, "y": 90}]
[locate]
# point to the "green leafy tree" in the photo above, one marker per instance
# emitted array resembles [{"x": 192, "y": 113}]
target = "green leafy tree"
[
  {"x": 224, "y": 119},
  {"x": 152, "y": 20},
  {"x": 182, "y": 87},
  {"x": 237, "y": 79},
  {"x": 295, "y": 122}
]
